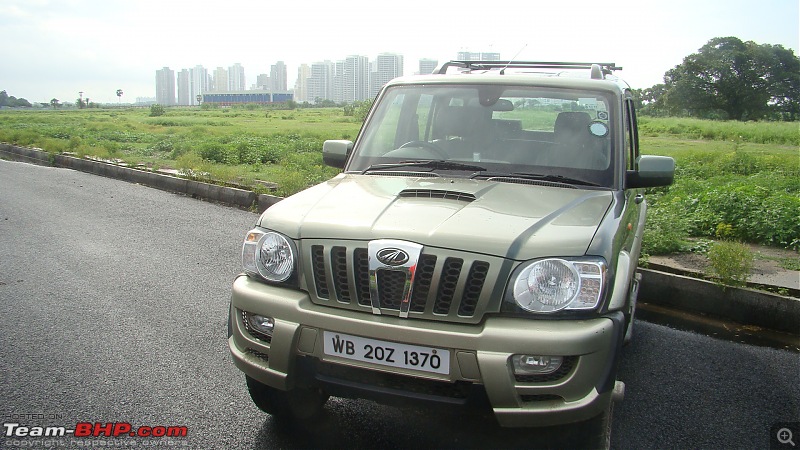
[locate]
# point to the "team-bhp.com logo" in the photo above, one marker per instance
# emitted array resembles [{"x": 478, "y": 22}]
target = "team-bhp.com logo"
[{"x": 97, "y": 429}]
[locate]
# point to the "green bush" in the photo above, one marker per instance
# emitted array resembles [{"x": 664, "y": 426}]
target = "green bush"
[
  {"x": 730, "y": 262},
  {"x": 156, "y": 110}
]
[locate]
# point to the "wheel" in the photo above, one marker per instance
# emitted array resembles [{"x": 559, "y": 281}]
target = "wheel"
[
  {"x": 298, "y": 403},
  {"x": 435, "y": 149}
]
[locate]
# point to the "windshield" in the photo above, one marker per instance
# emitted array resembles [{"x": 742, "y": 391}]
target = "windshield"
[{"x": 505, "y": 130}]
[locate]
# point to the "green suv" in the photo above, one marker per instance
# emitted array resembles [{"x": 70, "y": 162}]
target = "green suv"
[{"x": 479, "y": 248}]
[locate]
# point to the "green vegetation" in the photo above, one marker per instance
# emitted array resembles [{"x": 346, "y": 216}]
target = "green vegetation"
[
  {"x": 748, "y": 189},
  {"x": 729, "y": 79},
  {"x": 230, "y": 145},
  {"x": 730, "y": 262},
  {"x": 736, "y": 180}
]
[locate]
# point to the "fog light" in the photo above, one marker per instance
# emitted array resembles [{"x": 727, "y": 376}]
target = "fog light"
[
  {"x": 258, "y": 325},
  {"x": 535, "y": 364}
]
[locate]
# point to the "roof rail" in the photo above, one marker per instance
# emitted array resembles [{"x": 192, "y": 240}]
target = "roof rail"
[{"x": 604, "y": 68}]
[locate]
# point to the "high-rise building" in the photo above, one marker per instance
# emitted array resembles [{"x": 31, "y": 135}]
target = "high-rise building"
[
  {"x": 301, "y": 85},
  {"x": 277, "y": 77},
  {"x": 236, "y": 81},
  {"x": 165, "y": 86},
  {"x": 387, "y": 67},
  {"x": 337, "y": 94},
  {"x": 199, "y": 83},
  {"x": 355, "y": 80},
  {"x": 220, "y": 80},
  {"x": 262, "y": 82},
  {"x": 184, "y": 88},
  {"x": 320, "y": 83},
  {"x": 427, "y": 66}
]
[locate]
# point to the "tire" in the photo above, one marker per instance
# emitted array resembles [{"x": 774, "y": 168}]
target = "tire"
[{"x": 295, "y": 404}]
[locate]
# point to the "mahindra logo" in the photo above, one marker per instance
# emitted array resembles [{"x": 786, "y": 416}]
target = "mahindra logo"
[{"x": 392, "y": 256}]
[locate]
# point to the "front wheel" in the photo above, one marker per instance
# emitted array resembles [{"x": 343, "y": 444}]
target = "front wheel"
[{"x": 298, "y": 403}]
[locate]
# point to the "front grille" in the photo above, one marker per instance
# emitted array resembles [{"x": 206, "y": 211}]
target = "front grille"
[{"x": 448, "y": 285}]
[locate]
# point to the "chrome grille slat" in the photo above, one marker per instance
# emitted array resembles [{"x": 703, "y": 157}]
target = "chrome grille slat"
[{"x": 447, "y": 285}]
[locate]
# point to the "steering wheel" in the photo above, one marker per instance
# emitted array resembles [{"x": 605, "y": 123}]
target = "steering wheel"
[{"x": 430, "y": 146}]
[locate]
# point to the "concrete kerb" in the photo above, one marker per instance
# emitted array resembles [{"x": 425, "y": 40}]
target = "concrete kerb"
[
  {"x": 741, "y": 305},
  {"x": 680, "y": 293},
  {"x": 231, "y": 196}
]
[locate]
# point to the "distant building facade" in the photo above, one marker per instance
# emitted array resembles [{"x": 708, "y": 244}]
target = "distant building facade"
[
  {"x": 427, "y": 66},
  {"x": 260, "y": 97},
  {"x": 199, "y": 83},
  {"x": 278, "y": 81},
  {"x": 301, "y": 85},
  {"x": 184, "y": 88},
  {"x": 320, "y": 83},
  {"x": 236, "y": 79},
  {"x": 355, "y": 80},
  {"x": 165, "y": 86},
  {"x": 262, "y": 82},
  {"x": 387, "y": 67},
  {"x": 220, "y": 80}
]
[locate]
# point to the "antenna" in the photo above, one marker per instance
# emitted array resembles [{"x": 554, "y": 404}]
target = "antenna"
[{"x": 503, "y": 70}]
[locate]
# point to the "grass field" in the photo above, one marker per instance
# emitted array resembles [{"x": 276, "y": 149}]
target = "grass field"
[{"x": 734, "y": 180}]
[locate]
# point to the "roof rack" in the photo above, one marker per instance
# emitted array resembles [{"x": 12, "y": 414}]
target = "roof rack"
[{"x": 598, "y": 69}]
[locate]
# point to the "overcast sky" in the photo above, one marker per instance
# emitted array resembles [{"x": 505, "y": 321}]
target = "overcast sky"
[{"x": 56, "y": 48}]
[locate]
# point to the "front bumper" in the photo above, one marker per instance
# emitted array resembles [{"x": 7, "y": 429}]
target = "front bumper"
[{"x": 479, "y": 354}]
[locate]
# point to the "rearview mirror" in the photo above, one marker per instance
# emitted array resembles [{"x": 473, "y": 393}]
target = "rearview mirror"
[
  {"x": 334, "y": 152},
  {"x": 653, "y": 171}
]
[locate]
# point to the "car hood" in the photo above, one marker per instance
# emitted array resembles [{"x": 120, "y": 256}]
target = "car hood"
[{"x": 517, "y": 221}]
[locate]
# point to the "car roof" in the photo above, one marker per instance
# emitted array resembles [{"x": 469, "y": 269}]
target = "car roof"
[{"x": 586, "y": 76}]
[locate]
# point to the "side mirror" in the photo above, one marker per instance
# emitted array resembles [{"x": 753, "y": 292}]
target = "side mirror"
[
  {"x": 335, "y": 152},
  {"x": 653, "y": 171}
]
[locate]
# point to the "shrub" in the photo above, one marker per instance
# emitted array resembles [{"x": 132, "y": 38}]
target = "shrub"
[
  {"x": 730, "y": 262},
  {"x": 156, "y": 110}
]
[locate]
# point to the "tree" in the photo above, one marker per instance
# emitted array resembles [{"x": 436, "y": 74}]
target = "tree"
[
  {"x": 54, "y": 102},
  {"x": 11, "y": 101},
  {"x": 731, "y": 79},
  {"x": 156, "y": 110},
  {"x": 119, "y": 95}
]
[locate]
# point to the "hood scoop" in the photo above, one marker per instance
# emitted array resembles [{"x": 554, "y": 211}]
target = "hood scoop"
[{"x": 437, "y": 193}]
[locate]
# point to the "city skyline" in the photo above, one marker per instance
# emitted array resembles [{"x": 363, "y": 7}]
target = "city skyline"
[
  {"x": 97, "y": 46},
  {"x": 354, "y": 78}
]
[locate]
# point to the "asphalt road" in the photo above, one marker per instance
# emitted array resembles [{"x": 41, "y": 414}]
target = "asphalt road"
[{"x": 114, "y": 300}]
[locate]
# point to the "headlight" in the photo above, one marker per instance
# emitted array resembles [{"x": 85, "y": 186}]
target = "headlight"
[
  {"x": 551, "y": 285},
  {"x": 269, "y": 255}
]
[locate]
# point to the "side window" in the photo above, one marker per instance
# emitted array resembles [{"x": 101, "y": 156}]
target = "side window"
[{"x": 631, "y": 134}]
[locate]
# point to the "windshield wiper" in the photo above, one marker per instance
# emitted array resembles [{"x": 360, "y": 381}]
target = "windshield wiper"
[
  {"x": 431, "y": 164},
  {"x": 535, "y": 177}
]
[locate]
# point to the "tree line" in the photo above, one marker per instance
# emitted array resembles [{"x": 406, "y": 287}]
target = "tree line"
[
  {"x": 730, "y": 80},
  {"x": 11, "y": 101}
]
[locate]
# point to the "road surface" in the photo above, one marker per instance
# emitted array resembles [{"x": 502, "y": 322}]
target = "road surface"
[{"x": 115, "y": 302}]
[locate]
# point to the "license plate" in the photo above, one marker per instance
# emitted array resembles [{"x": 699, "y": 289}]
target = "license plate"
[{"x": 392, "y": 354}]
